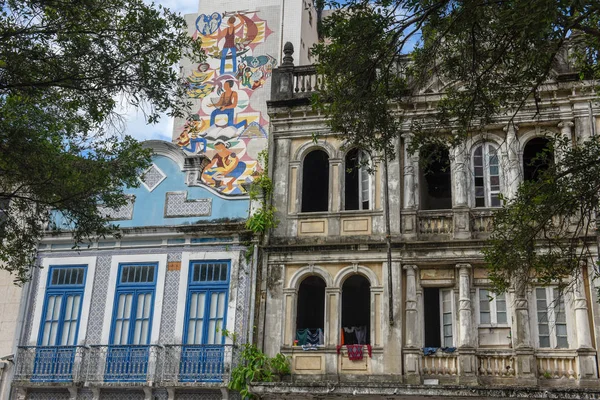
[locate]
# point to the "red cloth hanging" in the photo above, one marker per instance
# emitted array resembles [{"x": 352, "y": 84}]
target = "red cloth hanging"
[{"x": 355, "y": 352}]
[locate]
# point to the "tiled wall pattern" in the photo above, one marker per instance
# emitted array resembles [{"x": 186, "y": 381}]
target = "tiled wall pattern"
[
  {"x": 96, "y": 318},
  {"x": 152, "y": 177},
  {"x": 177, "y": 205},
  {"x": 169, "y": 310}
]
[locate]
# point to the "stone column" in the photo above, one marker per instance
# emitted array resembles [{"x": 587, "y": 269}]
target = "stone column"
[
  {"x": 409, "y": 212},
  {"x": 467, "y": 359},
  {"x": 412, "y": 354},
  {"x": 586, "y": 353},
  {"x": 513, "y": 176},
  {"x": 460, "y": 202},
  {"x": 332, "y": 328},
  {"x": 521, "y": 335},
  {"x": 565, "y": 139}
]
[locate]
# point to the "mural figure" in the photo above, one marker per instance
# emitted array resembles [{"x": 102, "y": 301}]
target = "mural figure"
[
  {"x": 207, "y": 25},
  {"x": 189, "y": 138},
  {"x": 229, "y": 46},
  {"x": 226, "y": 105},
  {"x": 224, "y": 168},
  {"x": 227, "y": 129}
]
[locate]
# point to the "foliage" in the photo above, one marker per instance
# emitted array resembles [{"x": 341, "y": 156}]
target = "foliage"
[
  {"x": 66, "y": 68},
  {"x": 255, "y": 366},
  {"x": 484, "y": 60},
  {"x": 489, "y": 58},
  {"x": 541, "y": 234},
  {"x": 262, "y": 189}
]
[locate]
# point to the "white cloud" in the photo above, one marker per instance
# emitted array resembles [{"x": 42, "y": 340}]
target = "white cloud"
[
  {"x": 137, "y": 126},
  {"x": 181, "y": 6}
]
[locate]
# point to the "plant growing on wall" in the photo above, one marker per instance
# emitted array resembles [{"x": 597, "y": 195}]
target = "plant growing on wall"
[
  {"x": 262, "y": 190},
  {"x": 256, "y": 366}
]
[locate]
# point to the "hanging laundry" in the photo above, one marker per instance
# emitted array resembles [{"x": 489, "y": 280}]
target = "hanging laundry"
[
  {"x": 427, "y": 351},
  {"x": 310, "y": 336},
  {"x": 355, "y": 352},
  {"x": 448, "y": 349},
  {"x": 350, "y": 335},
  {"x": 361, "y": 334}
]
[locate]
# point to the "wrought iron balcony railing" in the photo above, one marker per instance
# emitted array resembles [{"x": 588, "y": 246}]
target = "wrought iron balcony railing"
[
  {"x": 196, "y": 363},
  {"x": 48, "y": 363},
  {"x": 169, "y": 365},
  {"x": 121, "y": 363}
]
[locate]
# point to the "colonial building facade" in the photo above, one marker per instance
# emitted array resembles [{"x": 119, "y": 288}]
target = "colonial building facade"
[
  {"x": 160, "y": 313},
  {"x": 354, "y": 327},
  {"x": 142, "y": 316}
]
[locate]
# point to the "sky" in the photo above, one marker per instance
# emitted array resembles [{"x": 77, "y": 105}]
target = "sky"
[{"x": 136, "y": 124}]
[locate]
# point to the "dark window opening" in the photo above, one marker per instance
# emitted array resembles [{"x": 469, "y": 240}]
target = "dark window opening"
[
  {"x": 537, "y": 157},
  {"x": 311, "y": 304},
  {"x": 431, "y": 299},
  {"x": 315, "y": 182},
  {"x": 357, "y": 188},
  {"x": 436, "y": 188},
  {"x": 356, "y": 310}
]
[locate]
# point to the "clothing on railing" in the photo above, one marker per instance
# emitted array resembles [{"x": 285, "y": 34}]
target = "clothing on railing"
[
  {"x": 310, "y": 336},
  {"x": 354, "y": 335},
  {"x": 427, "y": 351},
  {"x": 355, "y": 351}
]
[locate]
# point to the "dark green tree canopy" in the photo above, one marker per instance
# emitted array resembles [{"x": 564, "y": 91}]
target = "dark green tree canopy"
[
  {"x": 64, "y": 68},
  {"x": 491, "y": 56},
  {"x": 489, "y": 59}
]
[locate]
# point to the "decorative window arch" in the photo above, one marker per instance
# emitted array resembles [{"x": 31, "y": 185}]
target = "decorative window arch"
[
  {"x": 310, "y": 311},
  {"x": 356, "y": 310},
  {"x": 358, "y": 286},
  {"x": 315, "y": 181},
  {"x": 435, "y": 177},
  {"x": 538, "y": 155},
  {"x": 486, "y": 174},
  {"x": 358, "y": 182}
]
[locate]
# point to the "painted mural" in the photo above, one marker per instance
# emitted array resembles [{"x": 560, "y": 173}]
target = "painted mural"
[{"x": 226, "y": 128}]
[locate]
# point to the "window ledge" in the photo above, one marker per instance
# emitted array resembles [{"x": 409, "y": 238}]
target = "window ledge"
[
  {"x": 494, "y": 326},
  {"x": 336, "y": 214}
]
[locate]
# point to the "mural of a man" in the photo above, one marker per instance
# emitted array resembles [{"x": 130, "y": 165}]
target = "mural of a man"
[
  {"x": 226, "y": 106},
  {"x": 229, "y": 45},
  {"x": 224, "y": 167}
]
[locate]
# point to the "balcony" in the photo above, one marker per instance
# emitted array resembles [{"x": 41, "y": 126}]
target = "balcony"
[
  {"x": 121, "y": 364},
  {"x": 296, "y": 83},
  {"x": 187, "y": 364},
  {"x": 124, "y": 365},
  {"x": 49, "y": 364}
]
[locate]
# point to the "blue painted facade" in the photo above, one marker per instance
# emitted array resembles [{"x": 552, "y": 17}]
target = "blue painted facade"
[
  {"x": 149, "y": 206},
  {"x": 151, "y": 306}
]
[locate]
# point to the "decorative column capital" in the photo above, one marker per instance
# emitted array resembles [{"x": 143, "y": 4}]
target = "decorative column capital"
[
  {"x": 567, "y": 124},
  {"x": 463, "y": 268},
  {"x": 511, "y": 129},
  {"x": 410, "y": 268}
]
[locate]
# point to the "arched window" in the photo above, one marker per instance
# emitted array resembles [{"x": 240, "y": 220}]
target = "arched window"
[
  {"x": 310, "y": 315},
  {"x": 537, "y": 157},
  {"x": 356, "y": 310},
  {"x": 436, "y": 182},
  {"x": 486, "y": 174},
  {"x": 315, "y": 181},
  {"x": 357, "y": 192}
]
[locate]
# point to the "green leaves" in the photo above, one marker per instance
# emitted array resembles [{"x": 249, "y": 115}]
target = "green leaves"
[
  {"x": 62, "y": 65},
  {"x": 256, "y": 366},
  {"x": 543, "y": 234}
]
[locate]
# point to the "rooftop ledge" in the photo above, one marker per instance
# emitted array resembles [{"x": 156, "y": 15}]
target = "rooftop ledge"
[{"x": 392, "y": 389}]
